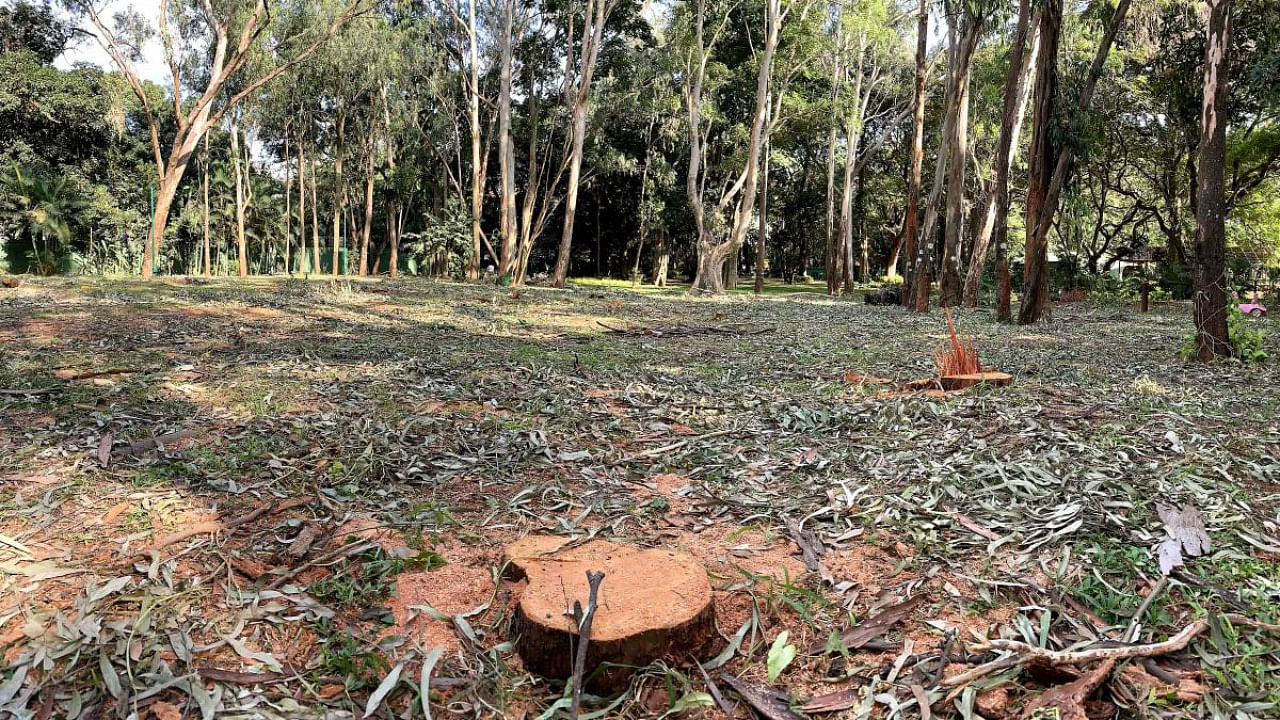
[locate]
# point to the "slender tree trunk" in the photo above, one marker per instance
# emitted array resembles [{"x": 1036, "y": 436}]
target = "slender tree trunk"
[
  {"x": 302, "y": 211},
  {"x": 288, "y": 206},
  {"x": 763, "y": 226},
  {"x": 860, "y": 210},
  {"x": 1212, "y": 338},
  {"x": 852, "y": 136},
  {"x": 393, "y": 237},
  {"x": 912, "y": 219},
  {"x": 926, "y": 250},
  {"x": 473, "y": 119},
  {"x": 830, "y": 265},
  {"x": 1035, "y": 293},
  {"x": 950, "y": 285},
  {"x": 241, "y": 250},
  {"x": 596, "y": 13},
  {"x": 208, "y": 272},
  {"x": 662, "y": 261},
  {"x": 996, "y": 218},
  {"x": 711, "y": 255},
  {"x": 506, "y": 153},
  {"x": 339, "y": 190},
  {"x": 367, "y": 228},
  {"x": 315, "y": 222}
]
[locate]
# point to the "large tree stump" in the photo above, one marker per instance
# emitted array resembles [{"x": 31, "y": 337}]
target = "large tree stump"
[
  {"x": 652, "y": 604},
  {"x": 987, "y": 377}
]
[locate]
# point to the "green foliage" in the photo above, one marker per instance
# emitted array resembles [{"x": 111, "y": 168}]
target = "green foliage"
[
  {"x": 33, "y": 27},
  {"x": 443, "y": 246},
  {"x": 781, "y": 654},
  {"x": 1248, "y": 343},
  {"x": 366, "y": 578},
  {"x": 347, "y": 656},
  {"x": 41, "y": 209},
  {"x": 1110, "y": 291}
]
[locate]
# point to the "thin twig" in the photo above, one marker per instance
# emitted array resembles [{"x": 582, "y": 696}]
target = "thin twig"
[
  {"x": 594, "y": 578},
  {"x": 1135, "y": 624}
]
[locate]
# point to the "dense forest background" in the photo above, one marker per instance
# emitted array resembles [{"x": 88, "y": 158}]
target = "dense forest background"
[{"x": 442, "y": 138}]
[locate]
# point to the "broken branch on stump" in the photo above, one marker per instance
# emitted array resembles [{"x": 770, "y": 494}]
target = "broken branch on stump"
[{"x": 594, "y": 578}]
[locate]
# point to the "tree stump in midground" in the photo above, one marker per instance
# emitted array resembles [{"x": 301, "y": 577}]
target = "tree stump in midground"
[
  {"x": 652, "y": 604},
  {"x": 987, "y": 377}
]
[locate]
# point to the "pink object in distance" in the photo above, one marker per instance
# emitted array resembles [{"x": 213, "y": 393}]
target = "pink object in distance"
[{"x": 1253, "y": 308}]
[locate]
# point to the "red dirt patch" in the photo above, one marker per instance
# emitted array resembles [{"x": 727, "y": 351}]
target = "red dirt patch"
[{"x": 452, "y": 590}]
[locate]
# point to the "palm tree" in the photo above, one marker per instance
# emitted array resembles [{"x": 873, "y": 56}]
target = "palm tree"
[{"x": 43, "y": 208}]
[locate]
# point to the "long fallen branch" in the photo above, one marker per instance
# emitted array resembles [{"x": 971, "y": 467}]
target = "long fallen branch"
[
  {"x": 1024, "y": 653},
  {"x": 219, "y": 525}
]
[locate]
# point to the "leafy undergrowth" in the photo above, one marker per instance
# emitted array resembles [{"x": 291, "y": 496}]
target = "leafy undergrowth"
[{"x": 276, "y": 498}]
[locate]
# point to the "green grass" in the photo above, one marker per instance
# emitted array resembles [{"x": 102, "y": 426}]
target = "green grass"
[{"x": 366, "y": 578}]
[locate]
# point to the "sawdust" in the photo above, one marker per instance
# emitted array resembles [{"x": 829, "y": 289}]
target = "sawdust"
[
  {"x": 725, "y": 549},
  {"x": 453, "y": 589}
]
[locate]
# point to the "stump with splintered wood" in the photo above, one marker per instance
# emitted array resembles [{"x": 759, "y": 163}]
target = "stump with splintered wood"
[
  {"x": 968, "y": 380},
  {"x": 958, "y": 364},
  {"x": 651, "y": 604}
]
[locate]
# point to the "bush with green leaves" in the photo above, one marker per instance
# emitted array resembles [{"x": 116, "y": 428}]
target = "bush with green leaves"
[
  {"x": 1110, "y": 291},
  {"x": 1248, "y": 343},
  {"x": 443, "y": 246}
]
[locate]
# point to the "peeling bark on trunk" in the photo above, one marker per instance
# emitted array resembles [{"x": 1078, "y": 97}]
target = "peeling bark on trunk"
[
  {"x": 473, "y": 120},
  {"x": 926, "y": 244},
  {"x": 208, "y": 272},
  {"x": 1035, "y": 301},
  {"x": 506, "y": 153},
  {"x": 288, "y": 206},
  {"x": 910, "y": 222},
  {"x": 339, "y": 190},
  {"x": 595, "y": 14},
  {"x": 950, "y": 286},
  {"x": 242, "y": 256},
  {"x": 1212, "y": 338},
  {"x": 1035, "y": 286},
  {"x": 302, "y": 211},
  {"x": 996, "y": 218},
  {"x": 763, "y": 227}
]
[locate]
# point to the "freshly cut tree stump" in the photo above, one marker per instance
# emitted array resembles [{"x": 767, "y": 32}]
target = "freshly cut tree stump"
[
  {"x": 990, "y": 377},
  {"x": 652, "y": 604}
]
